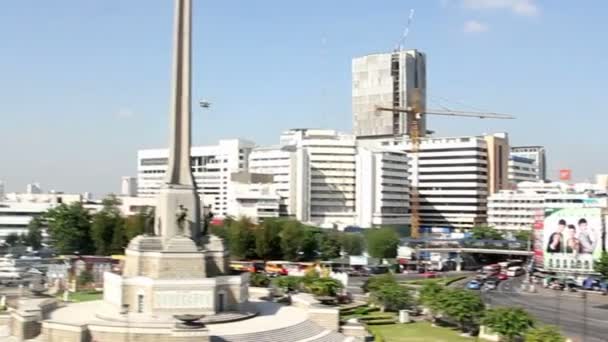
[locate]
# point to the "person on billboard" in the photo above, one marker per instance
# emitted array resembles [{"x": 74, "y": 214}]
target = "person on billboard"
[
  {"x": 573, "y": 244},
  {"x": 556, "y": 240},
  {"x": 588, "y": 241}
]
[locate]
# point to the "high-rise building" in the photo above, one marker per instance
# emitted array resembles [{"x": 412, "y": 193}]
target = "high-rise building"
[
  {"x": 327, "y": 179},
  {"x": 324, "y": 178},
  {"x": 522, "y": 170},
  {"x": 211, "y": 166},
  {"x": 383, "y": 190},
  {"x": 33, "y": 188},
  {"x": 128, "y": 186},
  {"x": 537, "y": 154},
  {"x": 454, "y": 176},
  {"x": 2, "y": 190},
  {"x": 390, "y": 80},
  {"x": 281, "y": 162}
]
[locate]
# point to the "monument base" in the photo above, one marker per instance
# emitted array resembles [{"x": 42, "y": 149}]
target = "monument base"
[{"x": 172, "y": 200}]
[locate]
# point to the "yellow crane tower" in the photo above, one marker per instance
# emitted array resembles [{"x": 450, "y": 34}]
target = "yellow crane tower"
[{"x": 414, "y": 114}]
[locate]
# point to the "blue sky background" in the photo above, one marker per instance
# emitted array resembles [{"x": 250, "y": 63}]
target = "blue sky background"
[{"x": 86, "y": 83}]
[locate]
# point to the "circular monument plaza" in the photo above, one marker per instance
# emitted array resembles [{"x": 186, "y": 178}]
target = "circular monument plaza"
[{"x": 174, "y": 285}]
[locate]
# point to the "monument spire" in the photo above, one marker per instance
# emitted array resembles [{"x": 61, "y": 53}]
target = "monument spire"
[
  {"x": 178, "y": 209},
  {"x": 179, "y": 170}
]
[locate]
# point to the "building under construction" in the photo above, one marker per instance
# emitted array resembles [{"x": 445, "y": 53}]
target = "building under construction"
[{"x": 450, "y": 177}]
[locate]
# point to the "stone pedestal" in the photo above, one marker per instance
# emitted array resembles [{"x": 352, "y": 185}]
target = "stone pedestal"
[
  {"x": 172, "y": 199},
  {"x": 172, "y": 276},
  {"x": 189, "y": 335}
]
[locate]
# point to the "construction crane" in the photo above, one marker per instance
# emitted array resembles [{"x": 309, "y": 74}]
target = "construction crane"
[
  {"x": 414, "y": 114},
  {"x": 406, "y": 32}
]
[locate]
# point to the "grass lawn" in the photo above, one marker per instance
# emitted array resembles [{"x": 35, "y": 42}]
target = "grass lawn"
[
  {"x": 417, "y": 332},
  {"x": 83, "y": 296}
]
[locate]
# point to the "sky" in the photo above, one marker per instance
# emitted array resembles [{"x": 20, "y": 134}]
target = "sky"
[{"x": 85, "y": 84}]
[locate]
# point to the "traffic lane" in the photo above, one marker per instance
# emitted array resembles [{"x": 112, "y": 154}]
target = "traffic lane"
[
  {"x": 573, "y": 301},
  {"x": 570, "y": 320},
  {"x": 566, "y": 311}
]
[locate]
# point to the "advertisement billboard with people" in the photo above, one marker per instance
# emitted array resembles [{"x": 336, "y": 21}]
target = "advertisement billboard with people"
[{"x": 572, "y": 239}]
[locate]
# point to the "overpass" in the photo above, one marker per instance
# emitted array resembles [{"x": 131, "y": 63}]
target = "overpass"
[{"x": 475, "y": 250}]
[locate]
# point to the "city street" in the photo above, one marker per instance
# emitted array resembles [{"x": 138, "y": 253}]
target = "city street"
[{"x": 582, "y": 320}]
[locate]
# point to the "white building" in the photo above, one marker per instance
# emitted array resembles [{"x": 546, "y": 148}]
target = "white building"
[
  {"x": 281, "y": 162},
  {"x": 211, "y": 166},
  {"x": 326, "y": 183},
  {"x": 128, "y": 186},
  {"x": 319, "y": 175},
  {"x": 513, "y": 210},
  {"x": 33, "y": 188},
  {"x": 537, "y": 154},
  {"x": 17, "y": 210},
  {"x": 386, "y": 79},
  {"x": 382, "y": 192},
  {"x": 254, "y": 196},
  {"x": 453, "y": 176},
  {"x": 522, "y": 170}
]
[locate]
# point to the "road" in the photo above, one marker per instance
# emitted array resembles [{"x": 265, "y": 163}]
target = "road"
[{"x": 580, "y": 319}]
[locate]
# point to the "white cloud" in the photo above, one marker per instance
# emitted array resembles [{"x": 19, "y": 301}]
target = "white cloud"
[
  {"x": 520, "y": 7},
  {"x": 474, "y": 26},
  {"x": 125, "y": 113}
]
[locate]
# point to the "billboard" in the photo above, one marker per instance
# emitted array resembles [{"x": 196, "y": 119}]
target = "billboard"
[
  {"x": 565, "y": 174},
  {"x": 572, "y": 239}
]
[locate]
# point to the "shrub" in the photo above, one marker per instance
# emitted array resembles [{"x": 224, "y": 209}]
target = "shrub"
[
  {"x": 381, "y": 322},
  {"x": 85, "y": 278},
  {"x": 259, "y": 280},
  {"x": 325, "y": 287},
  {"x": 290, "y": 283}
]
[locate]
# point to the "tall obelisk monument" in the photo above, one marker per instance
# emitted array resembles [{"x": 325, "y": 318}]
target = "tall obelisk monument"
[{"x": 178, "y": 209}]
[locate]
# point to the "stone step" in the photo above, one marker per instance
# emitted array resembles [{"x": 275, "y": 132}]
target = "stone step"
[{"x": 302, "y": 331}]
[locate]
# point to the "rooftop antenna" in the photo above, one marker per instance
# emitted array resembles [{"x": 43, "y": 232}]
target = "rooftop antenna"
[{"x": 406, "y": 32}]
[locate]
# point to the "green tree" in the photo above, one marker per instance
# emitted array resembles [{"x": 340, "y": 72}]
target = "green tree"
[
  {"x": 241, "y": 238},
  {"x": 107, "y": 229},
  {"x": 465, "y": 307},
  {"x": 291, "y": 239},
  {"x": 486, "y": 233},
  {"x": 34, "y": 233},
  {"x": 382, "y": 243},
  {"x": 523, "y": 235},
  {"x": 329, "y": 245},
  {"x": 139, "y": 224},
  {"x": 374, "y": 283},
  {"x": 352, "y": 243},
  {"x": 268, "y": 240},
  {"x": 69, "y": 228},
  {"x": 309, "y": 244},
  {"x": 429, "y": 293},
  {"x": 85, "y": 278},
  {"x": 509, "y": 323},
  {"x": 12, "y": 239},
  {"x": 392, "y": 297},
  {"x": 325, "y": 287},
  {"x": 601, "y": 265},
  {"x": 545, "y": 333}
]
